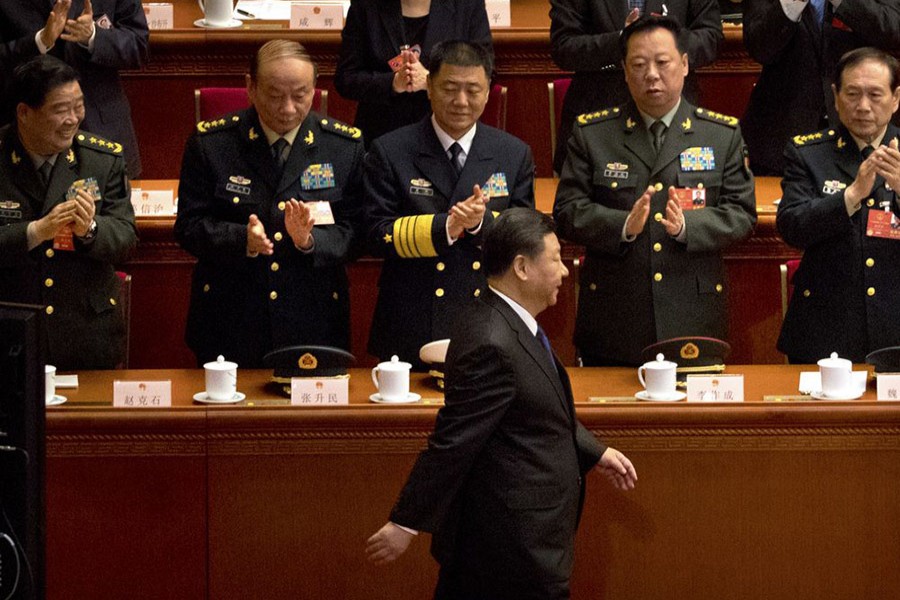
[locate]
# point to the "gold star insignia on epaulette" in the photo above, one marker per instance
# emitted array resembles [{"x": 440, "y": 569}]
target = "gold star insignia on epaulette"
[
  {"x": 604, "y": 113},
  {"x": 309, "y": 139},
  {"x": 15, "y": 158},
  {"x": 629, "y": 123},
  {"x": 841, "y": 143},
  {"x": 70, "y": 156},
  {"x": 388, "y": 238},
  {"x": 93, "y": 140},
  {"x": 686, "y": 125},
  {"x": 252, "y": 134}
]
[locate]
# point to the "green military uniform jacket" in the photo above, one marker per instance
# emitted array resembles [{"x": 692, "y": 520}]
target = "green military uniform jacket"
[
  {"x": 633, "y": 294},
  {"x": 79, "y": 288}
]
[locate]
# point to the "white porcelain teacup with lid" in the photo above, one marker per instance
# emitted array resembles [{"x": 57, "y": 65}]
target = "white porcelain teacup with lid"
[
  {"x": 391, "y": 378},
  {"x": 836, "y": 374},
  {"x": 658, "y": 377},
  {"x": 221, "y": 379}
]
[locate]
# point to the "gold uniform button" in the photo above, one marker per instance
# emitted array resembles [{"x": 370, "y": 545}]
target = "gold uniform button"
[
  {"x": 49, "y": 253},
  {"x": 700, "y": 186},
  {"x": 658, "y": 217},
  {"x": 48, "y": 282},
  {"x": 593, "y": 287},
  {"x": 235, "y": 199},
  {"x": 806, "y": 293},
  {"x": 112, "y": 301},
  {"x": 657, "y": 277},
  {"x": 657, "y": 247},
  {"x": 870, "y": 291},
  {"x": 477, "y": 293},
  {"x": 274, "y": 266},
  {"x": 719, "y": 287},
  {"x": 476, "y": 265},
  {"x": 281, "y": 205},
  {"x": 49, "y": 310},
  {"x": 278, "y": 236},
  {"x": 205, "y": 288},
  {"x": 870, "y": 262},
  {"x": 273, "y": 295},
  {"x": 614, "y": 184},
  {"x": 870, "y": 202},
  {"x": 658, "y": 187},
  {"x": 439, "y": 292},
  {"x": 440, "y": 266}
]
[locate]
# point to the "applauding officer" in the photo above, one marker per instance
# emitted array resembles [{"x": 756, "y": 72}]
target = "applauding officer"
[
  {"x": 65, "y": 217},
  {"x": 432, "y": 190},
  {"x": 268, "y": 202},
  {"x": 654, "y": 190},
  {"x": 840, "y": 207}
]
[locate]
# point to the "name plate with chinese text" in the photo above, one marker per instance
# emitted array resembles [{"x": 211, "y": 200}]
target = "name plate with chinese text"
[
  {"x": 317, "y": 15},
  {"x": 327, "y": 391},
  {"x": 888, "y": 386},
  {"x": 499, "y": 13},
  {"x": 160, "y": 15},
  {"x": 142, "y": 394},
  {"x": 715, "y": 388}
]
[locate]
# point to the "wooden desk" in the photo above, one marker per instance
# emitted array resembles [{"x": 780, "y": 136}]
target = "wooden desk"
[{"x": 782, "y": 501}]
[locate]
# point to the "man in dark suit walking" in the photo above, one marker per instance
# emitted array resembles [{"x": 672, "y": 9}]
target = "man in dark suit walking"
[{"x": 501, "y": 484}]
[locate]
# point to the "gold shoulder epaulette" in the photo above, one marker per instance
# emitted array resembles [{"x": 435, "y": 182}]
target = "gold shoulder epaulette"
[
  {"x": 95, "y": 142},
  {"x": 813, "y": 138},
  {"x": 225, "y": 122},
  {"x": 715, "y": 117},
  {"x": 597, "y": 116},
  {"x": 336, "y": 127}
]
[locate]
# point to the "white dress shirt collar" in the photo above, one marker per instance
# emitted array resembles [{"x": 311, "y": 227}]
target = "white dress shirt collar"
[
  {"x": 529, "y": 320},
  {"x": 447, "y": 140}
]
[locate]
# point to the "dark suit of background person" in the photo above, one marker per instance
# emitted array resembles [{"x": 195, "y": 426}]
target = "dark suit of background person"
[
  {"x": 501, "y": 483},
  {"x": 584, "y": 37},
  {"x": 244, "y": 307},
  {"x": 656, "y": 287},
  {"x": 121, "y": 42},
  {"x": 424, "y": 282},
  {"x": 847, "y": 290},
  {"x": 79, "y": 287},
  {"x": 373, "y": 35},
  {"x": 793, "y": 94}
]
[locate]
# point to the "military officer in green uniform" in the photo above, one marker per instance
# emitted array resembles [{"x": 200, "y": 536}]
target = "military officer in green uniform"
[
  {"x": 269, "y": 201},
  {"x": 65, "y": 218},
  {"x": 840, "y": 207},
  {"x": 655, "y": 190}
]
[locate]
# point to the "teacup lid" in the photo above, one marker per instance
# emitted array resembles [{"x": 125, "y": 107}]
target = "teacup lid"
[
  {"x": 834, "y": 362},
  {"x": 395, "y": 364},
  {"x": 660, "y": 363},
  {"x": 220, "y": 364}
]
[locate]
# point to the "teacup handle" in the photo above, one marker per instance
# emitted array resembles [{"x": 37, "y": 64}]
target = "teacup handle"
[
  {"x": 375, "y": 378},
  {"x": 202, "y": 8},
  {"x": 641, "y": 370}
]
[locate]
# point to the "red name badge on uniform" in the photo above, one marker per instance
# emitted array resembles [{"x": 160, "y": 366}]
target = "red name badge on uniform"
[
  {"x": 883, "y": 224},
  {"x": 690, "y": 198},
  {"x": 63, "y": 239}
]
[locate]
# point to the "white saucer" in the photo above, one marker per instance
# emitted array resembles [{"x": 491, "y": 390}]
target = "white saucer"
[
  {"x": 411, "y": 397},
  {"x": 204, "y": 399},
  {"x": 673, "y": 397},
  {"x": 56, "y": 400},
  {"x": 231, "y": 24},
  {"x": 849, "y": 396}
]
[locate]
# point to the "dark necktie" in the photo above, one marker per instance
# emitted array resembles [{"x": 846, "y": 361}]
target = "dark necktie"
[
  {"x": 542, "y": 338},
  {"x": 867, "y": 152},
  {"x": 455, "y": 151},
  {"x": 280, "y": 151},
  {"x": 658, "y": 129},
  {"x": 44, "y": 172}
]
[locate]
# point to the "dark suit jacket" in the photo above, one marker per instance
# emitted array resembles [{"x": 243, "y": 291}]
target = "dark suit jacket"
[
  {"x": 410, "y": 187},
  {"x": 831, "y": 309},
  {"x": 793, "y": 94},
  {"x": 85, "y": 328},
  {"x": 501, "y": 483},
  {"x": 373, "y": 35},
  {"x": 584, "y": 37},
  {"x": 665, "y": 287},
  {"x": 244, "y": 307},
  {"x": 122, "y": 45}
]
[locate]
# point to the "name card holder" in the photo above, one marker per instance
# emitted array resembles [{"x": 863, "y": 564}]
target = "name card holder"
[
  {"x": 888, "y": 386},
  {"x": 160, "y": 15},
  {"x": 317, "y": 15},
  {"x": 715, "y": 388},
  {"x": 499, "y": 13},
  {"x": 142, "y": 394},
  {"x": 325, "y": 391},
  {"x": 153, "y": 203}
]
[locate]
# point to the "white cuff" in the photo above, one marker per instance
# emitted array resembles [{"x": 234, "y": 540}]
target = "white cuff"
[
  {"x": 40, "y": 43},
  {"x": 406, "y": 529}
]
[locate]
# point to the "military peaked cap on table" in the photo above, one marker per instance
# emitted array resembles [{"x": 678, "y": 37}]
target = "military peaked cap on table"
[
  {"x": 691, "y": 354},
  {"x": 307, "y": 361}
]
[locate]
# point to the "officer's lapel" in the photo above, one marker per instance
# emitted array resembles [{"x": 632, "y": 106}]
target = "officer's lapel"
[
  {"x": 257, "y": 152},
  {"x": 637, "y": 140},
  {"x": 682, "y": 127},
  {"x": 25, "y": 174},
  {"x": 63, "y": 175},
  {"x": 303, "y": 152},
  {"x": 433, "y": 163},
  {"x": 480, "y": 165}
]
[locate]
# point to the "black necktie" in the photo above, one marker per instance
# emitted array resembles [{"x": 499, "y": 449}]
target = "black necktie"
[
  {"x": 542, "y": 338},
  {"x": 44, "y": 172},
  {"x": 455, "y": 151},
  {"x": 867, "y": 152},
  {"x": 658, "y": 129},
  {"x": 280, "y": 151}
]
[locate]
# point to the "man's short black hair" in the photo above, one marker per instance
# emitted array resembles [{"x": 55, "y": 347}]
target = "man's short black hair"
[
  {"x": 460, "y": 53},
  {"x": 860, "y": 55},
  {"x": 516, "y": 231},
  {"x": 33, "y": 81},
  {"x": 649, "y": 23}
]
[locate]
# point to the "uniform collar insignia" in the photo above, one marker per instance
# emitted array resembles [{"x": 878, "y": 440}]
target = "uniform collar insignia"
[
  {"x": 310, "y": 138},
  {"x": 841, "y": 143},
  {"x": 70, "y": 156},
  {"x": 686, "y": 125},
  {"x": 16, "y": 159},
  {"x": 629, "y": 123},
  {"x": 253, "y": 135}
]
